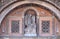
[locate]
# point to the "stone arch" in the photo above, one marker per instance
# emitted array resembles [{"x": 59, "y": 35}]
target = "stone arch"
[
  {"x": 40, "y": 3},
  {"x": 37, "y": 13}
]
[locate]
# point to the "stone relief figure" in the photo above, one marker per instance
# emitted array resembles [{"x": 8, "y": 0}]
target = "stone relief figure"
[{"x": 30, "y": 25}]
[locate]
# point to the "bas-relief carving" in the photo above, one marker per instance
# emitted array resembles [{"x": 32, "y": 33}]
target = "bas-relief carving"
[{"x": 30, "y": 25}]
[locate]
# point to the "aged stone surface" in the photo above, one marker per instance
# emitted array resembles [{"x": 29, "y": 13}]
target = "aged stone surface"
[
  {"x": 30, "y": 25},
  {"x": 3, "y": 2},
  {"x": 32, "y": 38},
  {"x": 49, "y": 6}
]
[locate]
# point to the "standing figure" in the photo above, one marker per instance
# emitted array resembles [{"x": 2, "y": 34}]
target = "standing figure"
[{"x": 30, "y": 25}]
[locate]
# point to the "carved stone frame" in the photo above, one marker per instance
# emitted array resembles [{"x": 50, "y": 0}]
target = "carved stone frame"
[
  {"x": 36, "y": 17},
  {"x": 20, "y": 26}
]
